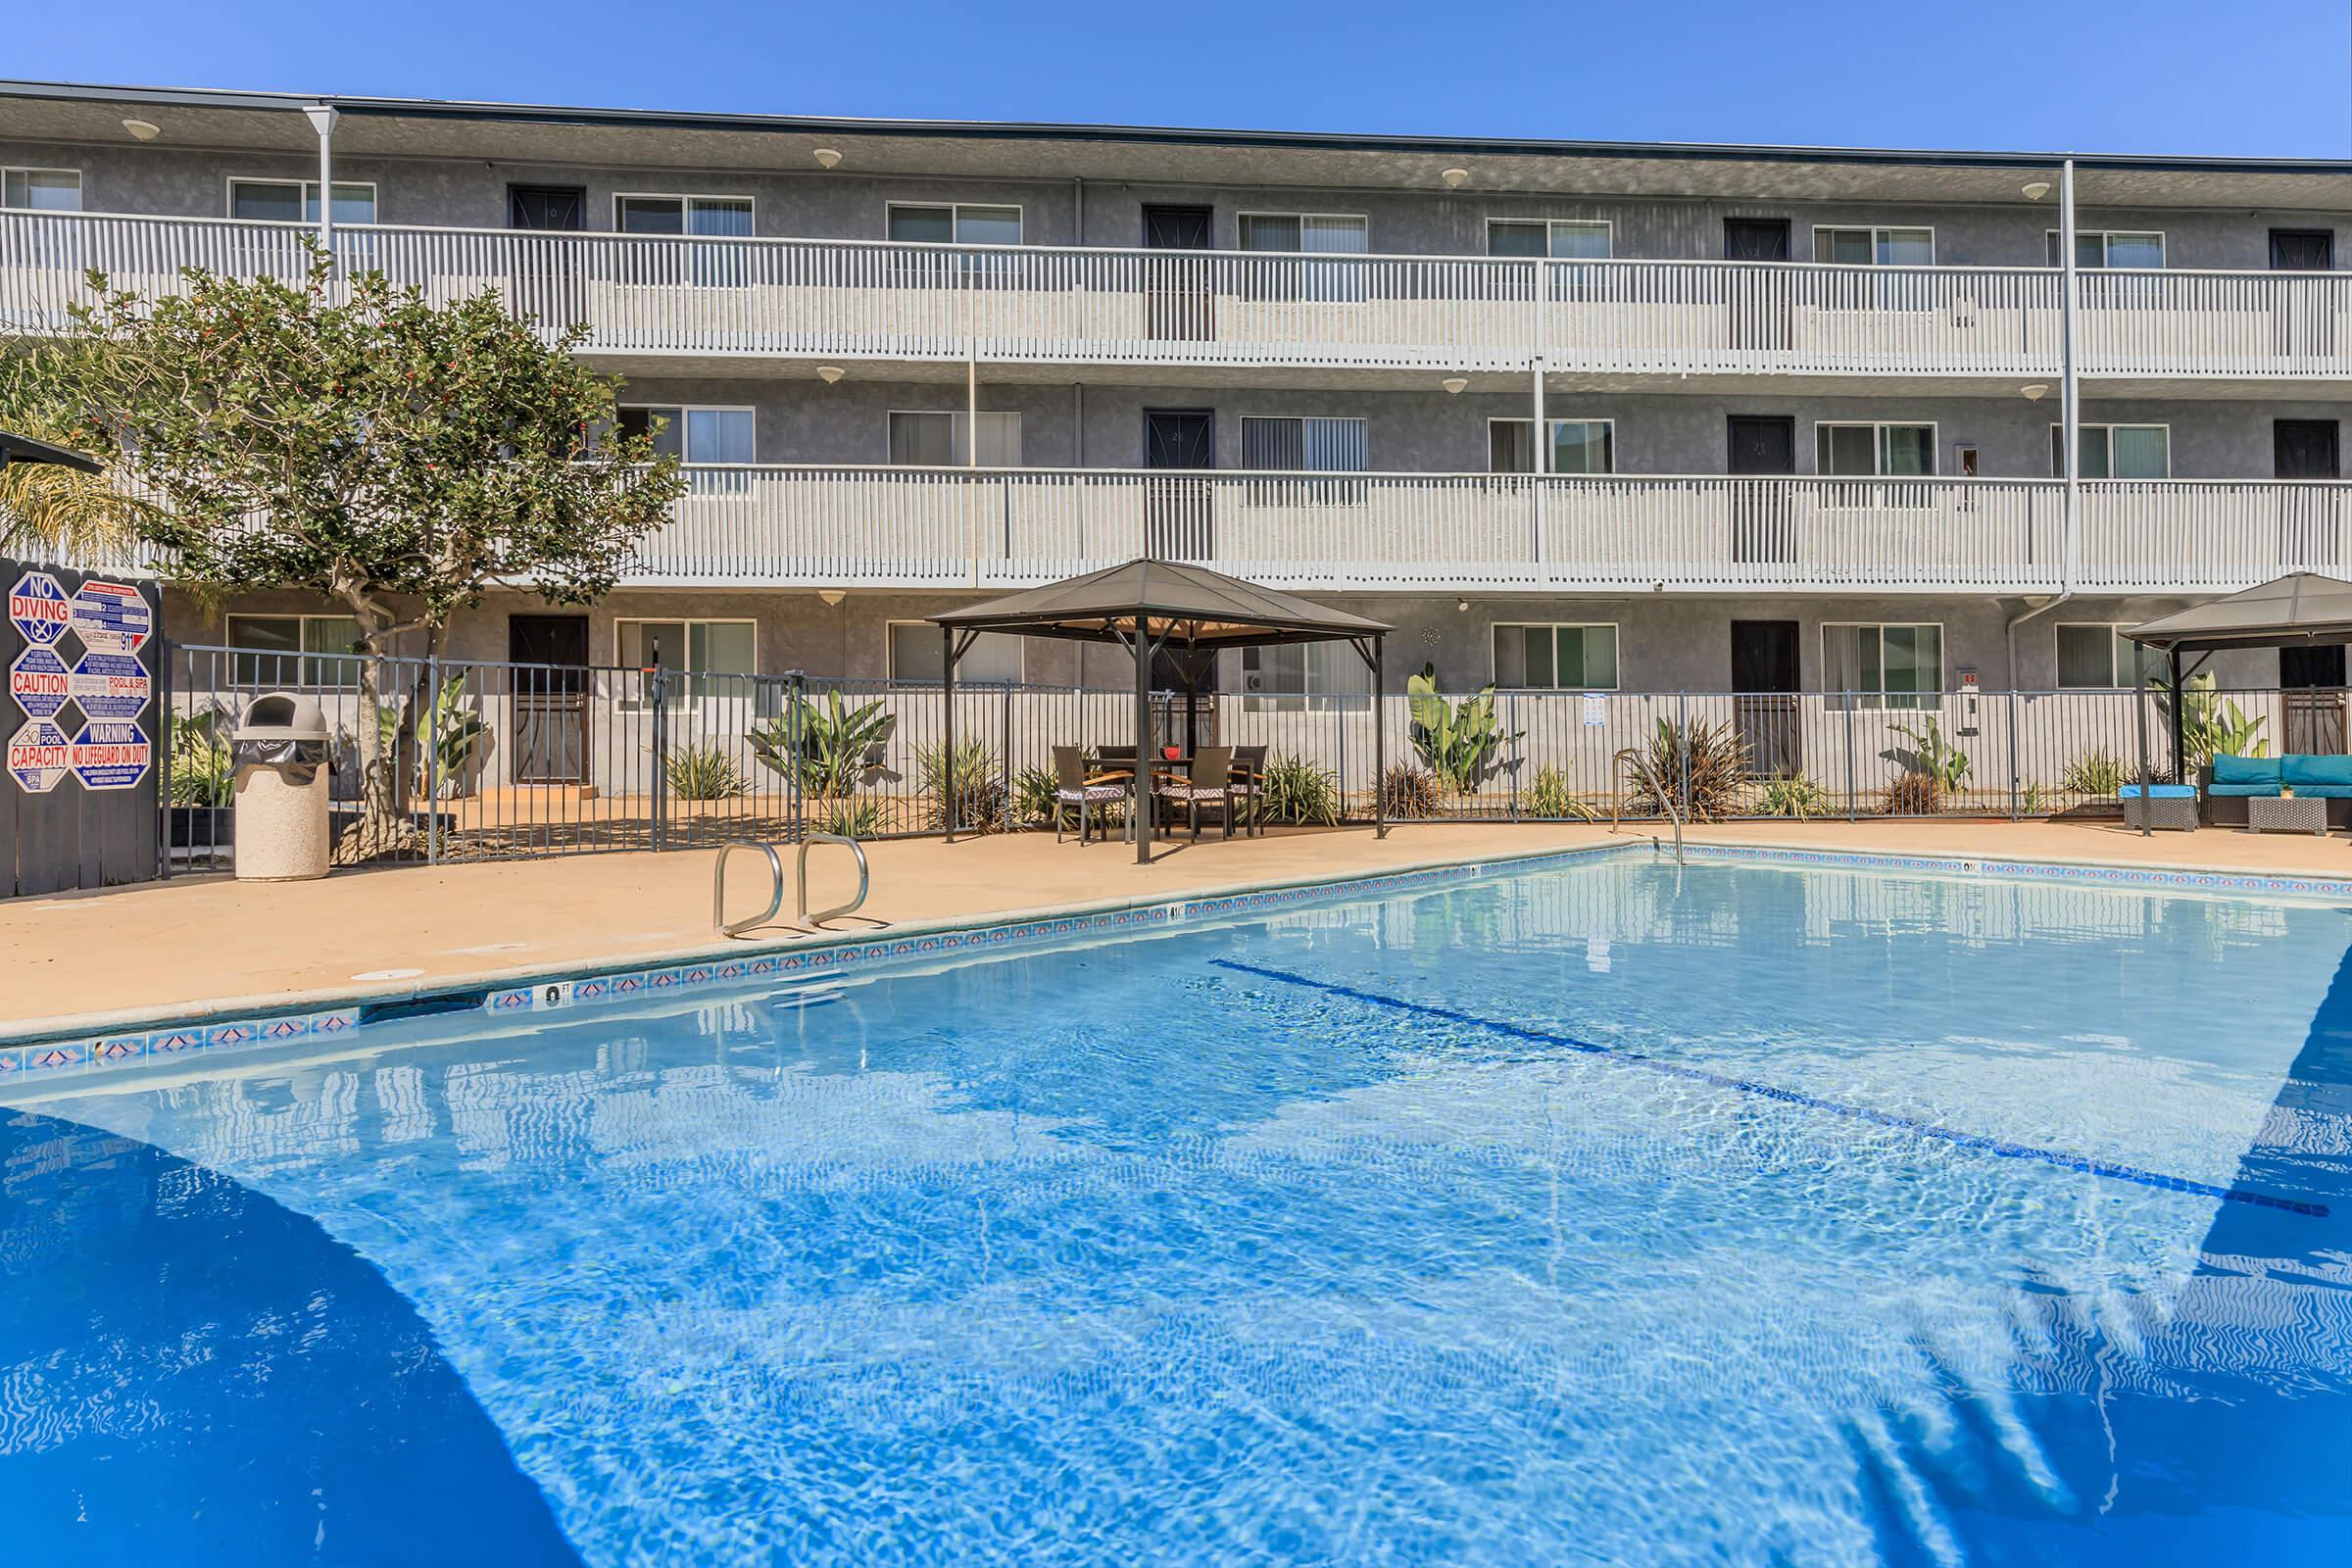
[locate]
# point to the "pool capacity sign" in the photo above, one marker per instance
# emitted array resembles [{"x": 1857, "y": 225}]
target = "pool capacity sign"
[{"x": 39, "y": 755}]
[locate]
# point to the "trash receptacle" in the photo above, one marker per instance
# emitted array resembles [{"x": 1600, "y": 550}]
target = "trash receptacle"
[{"x": 280, "y": 753}]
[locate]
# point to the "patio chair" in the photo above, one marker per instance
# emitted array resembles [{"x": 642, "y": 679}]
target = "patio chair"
[
  {"x": 1250, "y": 783},
  {"x": 1073, "y": 785},
  {"x": 1210, "y": 783}
]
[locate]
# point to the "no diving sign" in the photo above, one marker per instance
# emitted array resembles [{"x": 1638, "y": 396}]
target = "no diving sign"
[
  {"x": 39, "y": 756},
  {"x": 109, "y": 755},
  {"x": 38, "y": 605}
]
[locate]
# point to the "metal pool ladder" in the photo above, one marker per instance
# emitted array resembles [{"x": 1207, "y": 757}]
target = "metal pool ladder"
[
  {"x": 775, "y": 868},
  {"x": 1641, "y": 765}
]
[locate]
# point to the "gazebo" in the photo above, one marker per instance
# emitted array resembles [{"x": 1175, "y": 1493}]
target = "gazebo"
[
  {"x": 2299, "y": 608},
  {"x": 1151, "y": 606},
  {"x": 15, "y": 448}
]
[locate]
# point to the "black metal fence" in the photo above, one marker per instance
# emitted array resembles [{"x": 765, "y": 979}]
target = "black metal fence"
[{"x": 498, "y": 760}]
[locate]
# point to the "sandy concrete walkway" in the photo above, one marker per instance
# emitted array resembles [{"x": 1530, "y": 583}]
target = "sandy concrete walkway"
[{"x": 192, "y": 946}]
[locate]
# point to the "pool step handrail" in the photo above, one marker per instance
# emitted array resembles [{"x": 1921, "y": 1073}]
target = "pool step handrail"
[
  {"x": 1632, "y": 757},
  {"x": 864, "y": 878},
  {"x": 718, "y": 888}
]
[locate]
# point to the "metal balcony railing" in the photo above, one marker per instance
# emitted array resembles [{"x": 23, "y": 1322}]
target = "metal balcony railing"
[
  {"x": 1009, "y": 527},
  {"x": 832, "y": 299}
]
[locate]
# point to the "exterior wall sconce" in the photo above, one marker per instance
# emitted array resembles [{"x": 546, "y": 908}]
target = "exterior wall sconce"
[
  {"x": 2037, "y": 189},
  {"x": 2036, "y": 392},
  {"x": 1453, "y": 384},
  {"x": 1454, "y": 178},
  {"x": 830, "y": 374},
  {"x": 827, "y": 158},
  {"x": 143, "y": 129},
  {"x": 831, "y": 597}
]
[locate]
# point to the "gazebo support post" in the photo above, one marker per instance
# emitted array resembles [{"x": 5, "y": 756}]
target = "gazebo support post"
[
  {"x": 1139, "y": 819},
  {"x": 947, "y": 706},
  {"x": 2139, "y": 714},
  {"x": 1373, "y": 656},
  {"x": 2180, "y": 720}
]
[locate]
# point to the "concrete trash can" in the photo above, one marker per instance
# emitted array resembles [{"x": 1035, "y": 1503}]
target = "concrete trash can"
[{"x": 279, "y": 754}]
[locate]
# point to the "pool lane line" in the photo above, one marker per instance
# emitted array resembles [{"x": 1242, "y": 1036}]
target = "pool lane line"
[{"x": 1791, "y": 1097}]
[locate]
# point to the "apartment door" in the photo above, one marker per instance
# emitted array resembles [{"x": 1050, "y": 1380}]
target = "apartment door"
[
  {"x": 1177, "y": 506},
  {"x": 2304, "y": 325},
  {"x": 546, "y": 272},
  {"x": 2309, "y": 530},
  {"x": 1762, "y": 446},
  {"x": 550, "y": 698},
  {"x": 1177, "y": 292},
  {"x": 2312, "y": 681},
  {"x": 1756, "y": 301},
  {"x": 1765, "y": 682}
]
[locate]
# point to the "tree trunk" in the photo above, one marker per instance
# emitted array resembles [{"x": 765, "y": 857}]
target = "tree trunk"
[{"x": 383, "y": 828}]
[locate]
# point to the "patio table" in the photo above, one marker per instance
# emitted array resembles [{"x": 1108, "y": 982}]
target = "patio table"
[{"x": 2287, "y": 813}]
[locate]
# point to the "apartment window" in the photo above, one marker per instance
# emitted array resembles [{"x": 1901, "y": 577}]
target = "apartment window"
[
  {"x": 710, "y": 216},
  {"x": 917, "y": 654},
  {"x": 1885, "y": 665},
  {"x": 2099, "y": 655},
  {"x": 1870, "y": 451},
  {"x": 2109, "y": 247},
  {"x": 1555, "y": 657},
  {"x": 698, "y": 651},
  {"x": 1314, "y": 233},
  {"x": 1578, "y": 446},
  {"x": 954, "y": 224},
  {"x": 1287, "y": 445},
  {"x": 268, "y": 646},
  {"x": 1293, "y": 677},
  {"x": 41, "y": 190},
  {"x": 694, "y": 434},
  {"x": 1563, "y": 238},
  {"x": 1875, "y": 247},
  {"x": 2117, "y": 451},
  {"x": 296, "y": 201},
  {"x": 923, "y": 438}
]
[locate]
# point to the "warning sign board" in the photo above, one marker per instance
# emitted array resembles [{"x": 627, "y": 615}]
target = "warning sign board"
[
  {"x": 109, "y": 685},
  {"x": 111, "y": 617},
  {"x": 38, "y": 756},
  {"x": 38, "y": 608},
  {"x": 40, "y": 682},
  {"x": 109, "y": 755}
]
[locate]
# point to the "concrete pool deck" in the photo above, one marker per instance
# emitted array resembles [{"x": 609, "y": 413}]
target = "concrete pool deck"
[{"x": 197, "y": 946}]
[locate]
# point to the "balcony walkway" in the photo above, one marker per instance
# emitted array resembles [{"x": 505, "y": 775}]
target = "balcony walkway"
[{"x": 216, "y": 946}]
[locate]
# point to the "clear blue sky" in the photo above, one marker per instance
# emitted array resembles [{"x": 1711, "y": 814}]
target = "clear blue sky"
[{"x": 2231, "y": 77}]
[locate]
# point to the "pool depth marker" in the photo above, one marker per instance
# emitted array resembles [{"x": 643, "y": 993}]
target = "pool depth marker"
[{"x": 1791, "y": 1097}]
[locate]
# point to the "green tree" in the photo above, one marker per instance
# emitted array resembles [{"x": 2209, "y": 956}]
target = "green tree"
[
  {"x": 352, "y": 439},
  {"x": 47, "y": 508}
]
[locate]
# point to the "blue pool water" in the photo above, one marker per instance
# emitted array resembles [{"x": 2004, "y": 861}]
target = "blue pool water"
[{"x": 1743, "y": 1215}]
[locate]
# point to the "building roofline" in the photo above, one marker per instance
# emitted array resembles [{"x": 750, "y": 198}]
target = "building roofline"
[{"x": 1163, "y": 136}]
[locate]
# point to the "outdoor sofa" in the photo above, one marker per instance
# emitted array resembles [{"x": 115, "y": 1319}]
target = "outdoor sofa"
[{"x": 2229, "y": 782}]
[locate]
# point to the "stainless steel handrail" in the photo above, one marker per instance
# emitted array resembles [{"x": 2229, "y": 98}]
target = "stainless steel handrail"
[
  {"x": 718, "y": 888},
  {"x": 1657, "y": 785},
  {"x": 864, "y": 878}
]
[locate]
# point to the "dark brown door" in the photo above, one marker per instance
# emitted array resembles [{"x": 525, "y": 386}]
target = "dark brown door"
[
  {"x": 2309, "y": 515},
  {"x": 2303, "y": 321},
  {"x": 1766, "y": 680},
  {"x": 2311, "y": 681},
  {"x": 2302, "y": 250},
  {"x": 550, "y": 675},
  {"x": 1176, "y": 292},
  {"x": 1762, "y": 446},
  {"x": 1756, "y": 301},
  {"x": 1177, "y": 524},
  {"x": 556, "y": 207}
]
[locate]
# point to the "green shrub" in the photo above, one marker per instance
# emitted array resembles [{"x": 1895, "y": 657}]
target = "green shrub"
[
  {"x": 1408, "y": 794},
  {"x": 851, "y": 820},
  {"x": 838, "y": 745},
  {"x": 704, "y": 773},
  {"x": 1460, "y": 743},
  {"x": 1710, "y": 759},
  {"x": 201, "y": 771},
  {"x": 2095, "y": 772},
  {"x": 980, "y": 800},
  {"x": 1297, "y": 791},
  {"x": 1551, "y": 799},
  {"x": 1033, "y": 792},
  {"x": 1793, "y": 795}
]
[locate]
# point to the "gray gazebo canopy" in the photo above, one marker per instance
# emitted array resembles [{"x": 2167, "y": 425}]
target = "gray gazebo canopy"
[
  {"x": 15, "y": 448},
  {"x": 2298, "y": 608},
  {"x": 1153, "y": 607}
]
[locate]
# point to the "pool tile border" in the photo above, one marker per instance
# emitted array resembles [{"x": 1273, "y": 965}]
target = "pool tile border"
[{"x": 95, "y": 1054}]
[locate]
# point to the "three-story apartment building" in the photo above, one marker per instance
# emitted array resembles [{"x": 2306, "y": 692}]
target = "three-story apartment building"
[{"x": 1569, "y": 415}]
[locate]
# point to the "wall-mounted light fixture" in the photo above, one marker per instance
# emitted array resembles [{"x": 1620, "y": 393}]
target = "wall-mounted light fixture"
[
  {"x": 830, "y": 374},
  {"x": 1455, "y": 178},
  {"x": 827, "y": 158},
  {"x": 143, "y": 129},
  {"x": 831, "y": 596},
  {"x": 1453, "y": 384},
  {"x": 2035, "y": 189},
  {"x": 2034, "y": 391}
]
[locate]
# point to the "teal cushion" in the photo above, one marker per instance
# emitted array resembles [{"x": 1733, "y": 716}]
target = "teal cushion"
[
  {"x": 2228, "y": 770},
  {"x": 2324, "y": 791},
  {"x": 2160, "y": 792},
  {"x": 2329, "y": 771},
  {"x": 2233, "y": 792}
]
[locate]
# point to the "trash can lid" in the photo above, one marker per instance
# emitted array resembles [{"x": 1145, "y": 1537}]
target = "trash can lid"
[{"x": 282, "y": 717}]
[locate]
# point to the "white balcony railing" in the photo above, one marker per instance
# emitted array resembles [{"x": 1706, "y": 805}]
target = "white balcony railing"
[
  {"x": 1011, "y": 527},
  {"x": 829, "y": 299}
]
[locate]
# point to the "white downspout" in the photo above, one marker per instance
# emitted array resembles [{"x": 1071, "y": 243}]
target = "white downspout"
[
  {"x": 323, "y": 118},
  {"x": 2069, "y": 417}
]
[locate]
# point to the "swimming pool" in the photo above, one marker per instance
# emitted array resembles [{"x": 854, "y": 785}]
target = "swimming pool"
[{"x": 1599, "y": 1212}]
